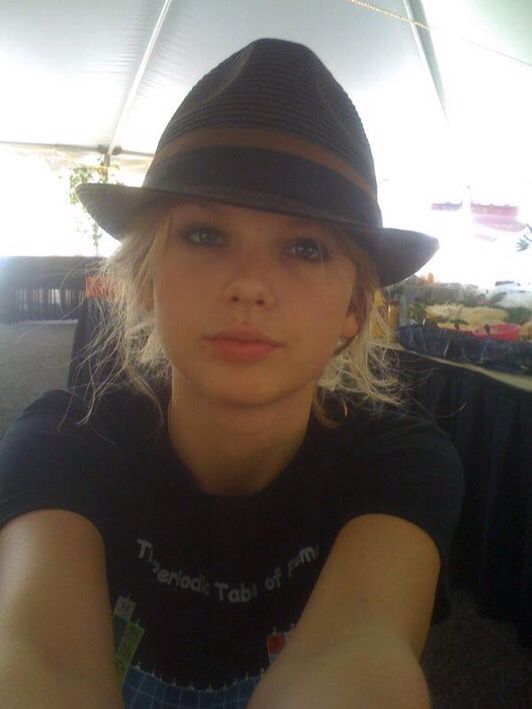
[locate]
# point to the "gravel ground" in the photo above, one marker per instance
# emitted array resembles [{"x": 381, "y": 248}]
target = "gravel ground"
[
  {"x": 472, "y": 662},
  {"x": 34, "y": 357}
]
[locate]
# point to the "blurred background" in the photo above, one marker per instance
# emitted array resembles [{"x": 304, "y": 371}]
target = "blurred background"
[{"x": 443, "y": 90}]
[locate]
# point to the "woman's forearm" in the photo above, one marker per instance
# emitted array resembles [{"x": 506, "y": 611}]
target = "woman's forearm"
[
  {"x": 368, "y": 673},
  {"x": 28, "y": 681}
]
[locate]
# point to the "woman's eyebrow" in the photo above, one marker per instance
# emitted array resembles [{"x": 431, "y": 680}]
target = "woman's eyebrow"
[{"x": 209, "y": 207}]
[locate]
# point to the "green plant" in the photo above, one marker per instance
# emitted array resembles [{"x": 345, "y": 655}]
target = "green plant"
[
  {"x": 418, "y": 312},
  {"x": 81, "y": 175},
  {"x": 525, "y": 241},
  {"x": 519, "y": 315}
]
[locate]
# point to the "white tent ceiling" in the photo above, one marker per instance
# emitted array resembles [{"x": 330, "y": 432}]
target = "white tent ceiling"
[{"x": 454, "y": 102}]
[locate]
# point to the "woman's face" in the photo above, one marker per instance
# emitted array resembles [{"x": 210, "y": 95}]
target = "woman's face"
[{"x": 225, "y": 266}]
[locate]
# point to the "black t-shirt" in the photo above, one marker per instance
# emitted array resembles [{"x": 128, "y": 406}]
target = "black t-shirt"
[{"x": 205, "y": 589}]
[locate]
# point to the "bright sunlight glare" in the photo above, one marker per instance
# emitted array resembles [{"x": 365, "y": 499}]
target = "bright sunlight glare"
[{"x": 39, "y": 220}]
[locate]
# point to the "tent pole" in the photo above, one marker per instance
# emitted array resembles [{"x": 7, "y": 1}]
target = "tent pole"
[
  {"x": 414, "y": 10},
  {"x": 72, "y": 148},
  {"x": 126, "y": 109}
]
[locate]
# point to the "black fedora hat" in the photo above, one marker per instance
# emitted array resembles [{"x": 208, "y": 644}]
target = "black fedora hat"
[{"x": 270, "y": 128}]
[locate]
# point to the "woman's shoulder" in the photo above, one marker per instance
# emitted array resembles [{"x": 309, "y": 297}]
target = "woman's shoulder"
[
  {"x": 388, "y": 431},
  {"x": 120, "y": 412},
  {"x": 49, "y": 458},
  {"x": 370, "y": 421}
]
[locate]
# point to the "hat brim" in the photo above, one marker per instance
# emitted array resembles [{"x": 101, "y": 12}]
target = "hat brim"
[{"x": 397, "y": 253}]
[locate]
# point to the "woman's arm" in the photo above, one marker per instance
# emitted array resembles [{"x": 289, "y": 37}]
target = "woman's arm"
[
  {"x": 28, "y": 681},
  {"x": 373, "y": 671},
  {"x": 362, "y": 632},
  {"x": 55, "y": 617}
]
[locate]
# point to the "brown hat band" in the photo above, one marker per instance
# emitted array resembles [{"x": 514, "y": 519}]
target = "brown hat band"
[{"x": 263, "y": 139}]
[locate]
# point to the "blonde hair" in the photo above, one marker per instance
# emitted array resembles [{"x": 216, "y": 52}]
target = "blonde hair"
[{"x": 126, "y": 348}]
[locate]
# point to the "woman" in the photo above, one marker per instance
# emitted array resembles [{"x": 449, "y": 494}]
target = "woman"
[{"x": 235, "y": 511}]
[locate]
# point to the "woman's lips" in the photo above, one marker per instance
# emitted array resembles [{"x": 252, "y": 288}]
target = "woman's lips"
[{"x": 246, "y": 351}]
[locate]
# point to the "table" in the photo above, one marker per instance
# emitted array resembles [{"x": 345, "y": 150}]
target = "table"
[{"x": 488, "y": 416}]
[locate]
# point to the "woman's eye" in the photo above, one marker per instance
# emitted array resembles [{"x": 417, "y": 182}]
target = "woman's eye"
[
  {"x": 304, "y": 247},
  {"x": 206, "y": 236}
]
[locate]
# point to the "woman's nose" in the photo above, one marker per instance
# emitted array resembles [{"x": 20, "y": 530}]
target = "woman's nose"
[{"x": 251, "y": 280}]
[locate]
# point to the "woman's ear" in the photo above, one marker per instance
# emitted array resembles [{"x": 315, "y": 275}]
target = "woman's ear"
[{"x": 351, "y": 325}]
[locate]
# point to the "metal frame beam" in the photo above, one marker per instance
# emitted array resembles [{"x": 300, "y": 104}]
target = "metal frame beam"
[
  {"x": 423, "y": 38},
  {"x": 75, "y": 148},
  {"x": 126, "y": 109}
]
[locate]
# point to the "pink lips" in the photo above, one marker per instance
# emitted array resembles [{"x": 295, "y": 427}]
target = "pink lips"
[
  {"x": 241, "y": 350},
  {"x": 244, "y": 333},
  {"x": 243, "y": 344}
]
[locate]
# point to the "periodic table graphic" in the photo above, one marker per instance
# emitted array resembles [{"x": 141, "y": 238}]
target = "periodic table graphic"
[{"x": 128, "y": 635}]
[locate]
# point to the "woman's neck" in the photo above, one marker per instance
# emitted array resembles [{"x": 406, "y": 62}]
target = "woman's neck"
[{"x": 232, "y": 449}]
